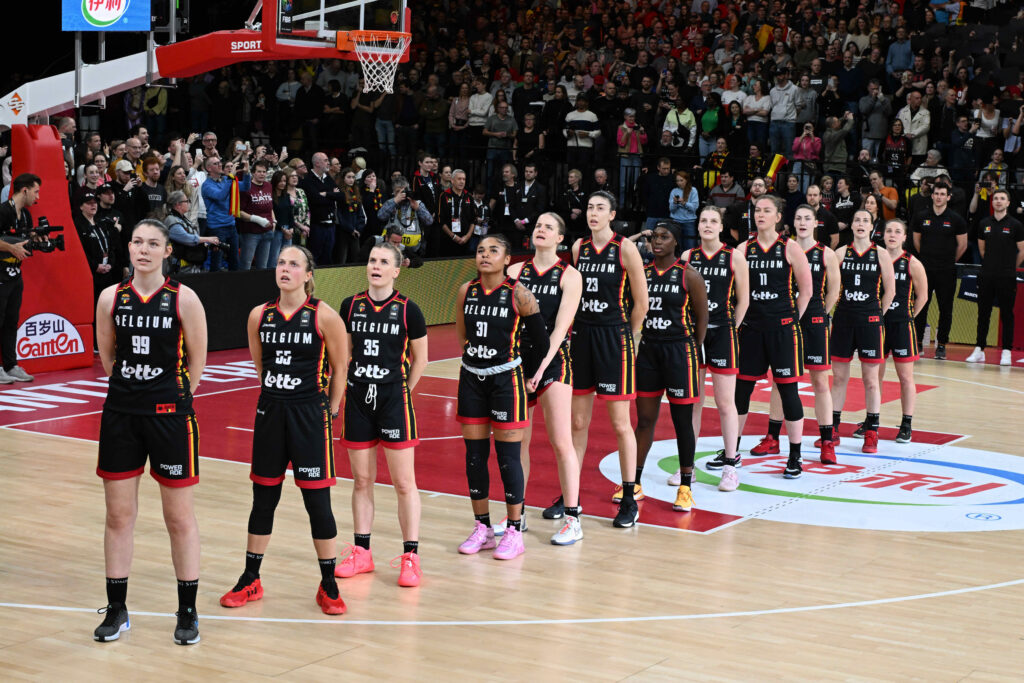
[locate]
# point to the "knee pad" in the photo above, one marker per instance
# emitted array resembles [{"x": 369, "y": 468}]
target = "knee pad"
[
  {"x": 792, "y": 409},
  {"x": 682, "y": 420},
  {"x": 477, "y": 476},
  {"x": 321, "y": 518},
  {"x": 511, "y": 468},
  {"x": 264, "y": 502},
  {"x": 744, "y": 388}
]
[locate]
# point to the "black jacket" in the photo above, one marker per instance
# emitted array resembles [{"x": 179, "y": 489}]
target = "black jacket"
[{"x": 322, "y": 209}]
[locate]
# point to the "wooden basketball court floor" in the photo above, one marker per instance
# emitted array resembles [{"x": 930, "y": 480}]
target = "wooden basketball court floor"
[{"x": 787, "y": 584}]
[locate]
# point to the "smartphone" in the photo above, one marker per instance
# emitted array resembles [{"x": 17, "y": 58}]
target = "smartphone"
[{"x": 239, "y": 146}]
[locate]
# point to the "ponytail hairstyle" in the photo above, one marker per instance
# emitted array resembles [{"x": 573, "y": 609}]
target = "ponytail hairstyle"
[{"x": 310, "y": 284}]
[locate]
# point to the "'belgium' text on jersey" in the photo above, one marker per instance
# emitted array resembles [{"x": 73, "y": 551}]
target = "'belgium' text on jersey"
[
  {"x": 902, "y": 308},
  {"x": 294, "y": 353},
  {"x": 380, "y": 338},
  {"x": 772, "y": 295},
  {"x": 150, "y": 374},
  {"x": 606, "y": 297},
  {"x": 492, "y": 325},
  {"x": 668, "y": 318},
  {"x": 861, "y": 277},
  {"x": 547, "y": 288},
  {"x": 720, "y": 281},
  {"x": 819, "y": 275}
]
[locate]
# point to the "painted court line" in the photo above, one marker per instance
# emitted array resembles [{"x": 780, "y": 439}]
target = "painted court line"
[
  {"x": 543, "y": 622},
  {"x": 967, "y": 381}
]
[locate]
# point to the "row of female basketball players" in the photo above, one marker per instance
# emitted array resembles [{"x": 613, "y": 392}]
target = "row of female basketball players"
[{"x": 733, "y": 311}]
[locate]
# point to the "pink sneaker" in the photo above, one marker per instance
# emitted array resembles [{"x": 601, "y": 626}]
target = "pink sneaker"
[
  {"x": 358, "y": 561},
  {"x": 409, "y": 569},
  {"x": 511, "y": 545},
  {"x": 482, "y": 538},
  {"x": 730, "y": 480}
]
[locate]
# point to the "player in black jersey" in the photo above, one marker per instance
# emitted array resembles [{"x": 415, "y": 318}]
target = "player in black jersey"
[
  {"x": 908, "y": 301},
  {"x": 557, "y": 287},
  {"x": 293, "y": 341},
  {"x": 667, "y": 360},
  {"x": 727, "y": 282},
  {"x": 151, "y": 337},
  {"x": 612, "y": 311},
  {"x": 770, "y": 336},
  {"x": 492, "y": 388},
  {"x": 814, "y": 326},
  {"x": 388, "y": 338},
  {"x": 867, "y": 290}
]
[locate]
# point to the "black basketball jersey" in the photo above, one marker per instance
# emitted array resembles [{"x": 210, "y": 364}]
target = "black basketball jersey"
[
  {"x": 294, "y": 353},
  {"x": 668, "y": 314},
  {"x": 860, "y": 301},
  {"x": 816, "y": 260},
  {"x": 492, "y": 325},
  {"x": 720, "y": 281},
  {"x": 772, "y": 294},
  {"x": 547, "y": 288},
  {"x": 380, "y": 337},
  {"x": 606, "y": 297},
  {"x": 150, "y": 374},
  {"x": 902, "y": 307}
]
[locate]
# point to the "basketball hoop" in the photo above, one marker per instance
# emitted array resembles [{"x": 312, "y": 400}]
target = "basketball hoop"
[{"x": 379, "y": 53}]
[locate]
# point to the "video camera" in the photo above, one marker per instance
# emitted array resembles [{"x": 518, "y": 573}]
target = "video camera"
[{"x": 39, "y": 238}]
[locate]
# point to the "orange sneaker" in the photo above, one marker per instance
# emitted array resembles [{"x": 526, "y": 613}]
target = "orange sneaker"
[
  {"x": 242, "y": 593},
  {"x": 870, "y": 441},
  {"x": 768, "y": 445},
  {"x": 358, "y": 561},
  {"x": 409, "y": 572},
  {"x": 330, "y": 605}
]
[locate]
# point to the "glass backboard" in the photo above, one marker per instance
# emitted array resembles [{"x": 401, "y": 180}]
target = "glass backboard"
[{"x": 319, "y": 21}]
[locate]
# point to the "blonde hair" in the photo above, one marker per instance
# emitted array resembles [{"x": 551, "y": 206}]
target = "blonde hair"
[{"x": 310, "y": 284}]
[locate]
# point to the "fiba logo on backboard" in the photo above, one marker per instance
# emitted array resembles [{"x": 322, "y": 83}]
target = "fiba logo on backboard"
[
  {"x": 922, "y": 487},
  {"x": 102, "y": 13},
  {"x": 48, "y": 334}
]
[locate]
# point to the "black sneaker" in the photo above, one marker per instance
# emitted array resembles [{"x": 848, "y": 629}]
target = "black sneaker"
[
  {"x": 940, "y": 352},
  {"x": 114, "y": 623},
  {"x": 187, "y": 630},
  {"x": 556, "y": 510},
  {"x": 859, "y": 432},
  {"x": 720, "y": 461},
  {"x": 904, "y": 434},
  {"x": 793, "y": 468},
  {"x": 627, "y": 515}
]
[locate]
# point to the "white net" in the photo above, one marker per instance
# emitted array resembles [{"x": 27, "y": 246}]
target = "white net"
[{"x": 379, "y": 53}]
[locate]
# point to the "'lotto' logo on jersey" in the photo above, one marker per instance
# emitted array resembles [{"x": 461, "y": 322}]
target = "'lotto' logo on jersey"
[
  {"x": 856, "y": 296},
  {"x": 281, "y": 381},
  {"x": 764, "y": 296},
  {"x": 481, "y": 351},
  {"x": 140, "y": 372},
  {"x": 372, "y": 372},
  {"x": 658, "y": 323},
  {"x": 592, "y": 306}
]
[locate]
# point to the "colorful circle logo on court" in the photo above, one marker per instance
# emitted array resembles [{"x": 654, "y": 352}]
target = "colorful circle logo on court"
[
  {"x": 904, "y": 487},
  {"x": 101, "y": 13}
]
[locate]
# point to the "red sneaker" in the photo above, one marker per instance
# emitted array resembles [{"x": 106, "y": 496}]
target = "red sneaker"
[
  {"x": 870, "y": 441},
  {"x": 330, "y": 605},
  {"x": 835, "y": 439},
  {"x": 768, "y": 446},
  {"x": 828, "y": 453},
  {"x": 358, "y": 561},
  {"x": 409, "y": 572},
  {"x": 239, "y": 595}
]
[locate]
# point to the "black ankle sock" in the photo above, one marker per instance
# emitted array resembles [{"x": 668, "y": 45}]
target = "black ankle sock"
[
  {"x": 871, "y": 422},
  {"x": 907, "y": 419},
  {"x": 639, "y": 473},
  {"x": 362, "y": 540},
  {"x": 826, "y": 432},
  {"x": 685, "y": 478},
  {"x": 411, "y": 547},
  {"x": 187, "y": 594},
  {"x": 117, "y": 591},
  {"x": 484, "y": 519},
  {"x": 573, "y": 511},
  {"x": 837, "y": 418},
  {"x": 774, "y": 428},
  {"x": 327, "y": 576},
  {"x": 627, "y": 491},
  {"x": 252, "y": 563},
  {"x": 738, "y": 439},
  {"x": 794, "y": 449},
  {"x": 516, "y": 524}
]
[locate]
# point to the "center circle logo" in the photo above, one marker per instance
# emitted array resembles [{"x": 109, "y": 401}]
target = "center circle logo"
[
  {"x": 103, "y": 13},
  {"x": 904, "y": 487}
]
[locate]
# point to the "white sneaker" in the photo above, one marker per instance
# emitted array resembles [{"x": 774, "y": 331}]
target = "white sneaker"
[
  {"x": 5, "y": 378},
  {"x": 19, "y": 375},
  {"x": 1004, "y": 358},
  {"x": 977, "y": 356},
  {"x": 676, "y": 479},
  {"x": 499, "y": 528},
  {"x": 570, "y": 532}
]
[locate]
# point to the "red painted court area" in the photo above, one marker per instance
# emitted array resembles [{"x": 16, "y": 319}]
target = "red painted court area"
[{"x": 68, "y": 404}]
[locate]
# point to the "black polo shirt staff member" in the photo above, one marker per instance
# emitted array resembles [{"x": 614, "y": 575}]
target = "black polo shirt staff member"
[{"x": 15, "y": 221}]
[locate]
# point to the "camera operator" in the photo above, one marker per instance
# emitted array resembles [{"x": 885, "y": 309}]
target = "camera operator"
[
  {"x": 15, "y": 223},
  {"x": 189, "y": 248},
  {"x": 406, "y": 215},
  {"x": 101, "y": 242}
]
